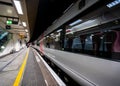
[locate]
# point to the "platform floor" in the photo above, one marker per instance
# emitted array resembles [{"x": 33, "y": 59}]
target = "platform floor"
[
  {"x": 25, "y": 68},
  {"x": 32, "y": 75},
  {"x": 9, "y": 67}
]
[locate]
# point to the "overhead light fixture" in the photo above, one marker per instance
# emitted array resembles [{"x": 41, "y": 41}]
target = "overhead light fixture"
[
  {"x": 59, "y": 30},
  {"x": 85, "y": 25},
  {"x": 2, "y": 47},
  {"x": 9, "y": 11},
  {"x": 114, "y": 3},
  {"x": 26, "y": 30},
  {"x": 24, "y": 24},
  {"x": 51, "y": 34},
  {"x": 76, "y": 22},
  {"x": 18, "y": 6}
]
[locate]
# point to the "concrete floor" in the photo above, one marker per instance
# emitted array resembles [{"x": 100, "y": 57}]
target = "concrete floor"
[
  {"x": 32, "y": 75},
  {"x": 9, "y": 67}
]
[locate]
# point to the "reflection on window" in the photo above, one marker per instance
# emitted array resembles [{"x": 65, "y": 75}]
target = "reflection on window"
[{"x": 4, "y": 39}]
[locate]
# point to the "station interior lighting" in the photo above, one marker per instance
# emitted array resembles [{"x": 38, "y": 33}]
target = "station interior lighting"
[
  {"x": 24, "y": 24},
  {"x": 2, "y": 47},
  {"x": 26, "y": 30},
  {"x": 84, "y": 25},
  {"x": 18, "y": 6},
  {"x": 51, "y": 34},
  {"x": 9, "y": 22},
  {"x": 75, "y": 22},
  {"x": 114, "y": 3},
  {"x": 59, "y": 30}
]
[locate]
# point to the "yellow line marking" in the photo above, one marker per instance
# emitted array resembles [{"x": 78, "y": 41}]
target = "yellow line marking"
[{"x": 21, "y": 70}]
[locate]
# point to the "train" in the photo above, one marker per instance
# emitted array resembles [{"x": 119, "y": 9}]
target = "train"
[{"x": 86, "y": 47}]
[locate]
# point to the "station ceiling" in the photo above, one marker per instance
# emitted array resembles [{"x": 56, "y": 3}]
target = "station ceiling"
[
  {"x": 38, "y": 15},
  {"x": 48, "y": 11},
  {"x": 9, "y": 12}
]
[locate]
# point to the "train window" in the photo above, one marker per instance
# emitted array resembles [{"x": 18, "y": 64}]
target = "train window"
[
  {"x": 47, "y": 42},
  {"x": 65, "y": 43},
  {"x": 104, "y": 44},
  {"x": 57, "y": 42},
  {"x": 76, "y": 45},
  {"x": 116, "y": 45},
  {"x": 103, "y": 48},
  {"x": 100, "y": 40},
  {"x": 88, "y": 43}
]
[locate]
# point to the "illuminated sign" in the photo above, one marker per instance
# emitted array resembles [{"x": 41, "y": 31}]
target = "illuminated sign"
[{"x": 9, "y": 22}]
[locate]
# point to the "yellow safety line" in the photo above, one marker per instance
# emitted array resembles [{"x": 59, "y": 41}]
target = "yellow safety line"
[{"x": 20, "y": 73}]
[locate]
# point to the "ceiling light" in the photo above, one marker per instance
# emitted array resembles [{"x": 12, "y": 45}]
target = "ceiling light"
[
  {"x": 2, "y": 47},
  {"x": 24, "y": 24},
  {"x": 76, "y": 22},
  {"x": 18, "y": 6},
  {"x": 114, "y": 3},
  {"x": 9, "y": 11},
  {"x": 26, "y": 30},
  {"x": 59, "y": 30},
  {"x": 85, "y": 25},
  {"x": 51, "y": 34}
]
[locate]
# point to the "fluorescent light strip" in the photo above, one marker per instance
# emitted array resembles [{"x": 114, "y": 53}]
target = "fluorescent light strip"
[
  {"x": 114, "y": 3},
  {"x": 85, "y": 25},
  {"x": 24, "y": 24},
  {"x": 18, "y": 6},
  {"x": 76, "y": 22},
  {"x": 51, "y": 34},
  {"x": 59, "y": 30}
]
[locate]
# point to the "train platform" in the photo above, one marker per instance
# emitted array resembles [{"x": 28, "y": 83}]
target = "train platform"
[
  {"x": 9, "y": 67},
  {"x": 26, "y": 68},
  {"x": 32, "y": 75}
]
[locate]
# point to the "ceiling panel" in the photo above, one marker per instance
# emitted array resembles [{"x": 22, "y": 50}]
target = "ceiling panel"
[
  {"x": 9, "y": 1},
  {"x": 48, "y": 12},
  {"x": 8, "y": 11}
]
